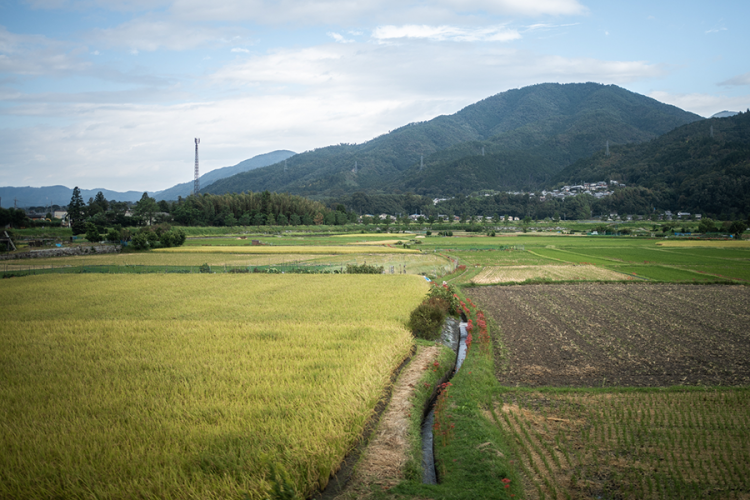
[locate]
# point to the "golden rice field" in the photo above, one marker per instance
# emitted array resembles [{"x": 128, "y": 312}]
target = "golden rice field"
[
  {"x": 381, "y": 242},
  {"x": 515, "y": 274},
  {"x": 706, "y": 243},
  {"x": 160, "y": 259},
  {"x": 288, "y": 250},
  {"x": 415, "y": 262},
  {"x": 190, "y": 386}
]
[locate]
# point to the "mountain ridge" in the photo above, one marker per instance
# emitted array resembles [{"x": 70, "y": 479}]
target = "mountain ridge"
[{"x": 560, "y": 123}]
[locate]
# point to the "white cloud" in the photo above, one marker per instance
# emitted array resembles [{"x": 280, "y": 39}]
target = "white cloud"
[
  {"x": 35, "y": 55},
  {"x": 339, "y": 38},
  {"x": 445, "y": 33},
  {"x": 717, "y": 28},
  {"x": 703, "y": 104},
  {"x": 738, "y": 80},
  {"x": 151, "y": 33},
  {"x": 239, "y": 49},
  {"x": 372, "y": 11}
]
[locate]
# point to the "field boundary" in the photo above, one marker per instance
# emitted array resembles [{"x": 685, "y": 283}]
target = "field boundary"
[{"x": 338, "y": 481}]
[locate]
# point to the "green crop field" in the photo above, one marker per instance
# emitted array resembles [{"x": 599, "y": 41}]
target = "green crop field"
[{"x": 173, "y": 386}]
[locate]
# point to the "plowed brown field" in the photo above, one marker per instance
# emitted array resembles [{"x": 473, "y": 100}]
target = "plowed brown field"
[{"x": 594, "y": 335}]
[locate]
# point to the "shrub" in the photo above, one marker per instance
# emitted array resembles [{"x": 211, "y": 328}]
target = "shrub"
[
  {"x": 113, "y": 235},
  {"x": 140, "y": 242},
  {"x": 363, "y": 269},
  {"x": 439, "y": 303},
  {"x": 425, "y": 321},
  {"x": 92, "y": 233},
  {"x": 448, "y": 294}
]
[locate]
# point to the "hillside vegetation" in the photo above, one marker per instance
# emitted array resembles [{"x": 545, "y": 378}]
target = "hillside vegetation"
[
  {"x": 527, "y": 135},
  {"x": 699, "y": 167}
]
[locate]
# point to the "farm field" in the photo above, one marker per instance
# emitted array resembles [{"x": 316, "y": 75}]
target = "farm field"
[
  {"x": 506, "y": 274},
  {"x": 648, "y": 444},
  {"x": 412, "y": 263},
  {"x": 177, "y": 386},
  {"x": 288, "y": 250},
  {"x": 624, "y": 390},
  {"x": 291, "y": 240},
  {"x": 640, "y": 258},
  {"x": 600, "y": 335}
]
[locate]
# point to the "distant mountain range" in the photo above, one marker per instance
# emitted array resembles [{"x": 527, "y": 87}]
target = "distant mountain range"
[
  {"x": 60, "y": 195},
  {"x": 519, "y": 139},
  {"x": 724, "y": 114}
]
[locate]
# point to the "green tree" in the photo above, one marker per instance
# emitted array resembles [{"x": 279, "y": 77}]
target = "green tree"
[
  {"x": 139, "y": 241},
  {"x": 92, "y": 233},
  {"x": 245, "y": 220},
  {"x": 113, "y": 235},
  {"x": 737, "y": 228},
  {"x": 230, "y": 220},
  {"x": 270, "y": 220},
  {"x": 295, "y": 220},
  {"x": 76, "y": 215},
  {"x": 146, "y": 208}
]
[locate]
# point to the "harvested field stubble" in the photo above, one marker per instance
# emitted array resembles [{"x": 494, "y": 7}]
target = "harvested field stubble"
[
  {"x": 506, "y": 274},
  {"x": 594, "y": 335},
  {"x": 673, "y": 444}
]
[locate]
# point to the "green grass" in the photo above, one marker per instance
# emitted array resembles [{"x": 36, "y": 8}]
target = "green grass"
[
  {"x": 666, "y": 274},
  {"x": 729, "y": 270},
  {"x": 571, "y": 256},
  {"x": 473, "y": 458},
  {"x": 499, "y": 257}
]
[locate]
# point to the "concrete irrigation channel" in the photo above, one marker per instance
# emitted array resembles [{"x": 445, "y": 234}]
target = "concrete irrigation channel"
[{"x": 455, "y": 338}]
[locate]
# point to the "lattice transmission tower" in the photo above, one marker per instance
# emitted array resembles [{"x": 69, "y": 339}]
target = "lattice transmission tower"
[{"x": 196, "y": 181}]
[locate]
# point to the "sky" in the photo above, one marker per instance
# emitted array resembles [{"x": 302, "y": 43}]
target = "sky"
[{"x": 111, "y": 93}]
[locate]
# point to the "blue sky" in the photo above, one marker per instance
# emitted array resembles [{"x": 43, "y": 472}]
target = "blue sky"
[{"x": 110, "y": 93}]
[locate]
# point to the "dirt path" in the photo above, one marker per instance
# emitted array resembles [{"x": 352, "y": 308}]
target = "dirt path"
[{"x": 383, "y": 461}]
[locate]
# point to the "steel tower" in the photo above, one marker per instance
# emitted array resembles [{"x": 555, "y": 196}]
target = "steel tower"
[{"x": 196, "y": 181}]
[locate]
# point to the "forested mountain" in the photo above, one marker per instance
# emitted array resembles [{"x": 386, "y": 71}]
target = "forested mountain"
[
  {"x": 701, "y": 167},
  {"x": 513, "y": 140},
  {"x": 185, "y": 188}
]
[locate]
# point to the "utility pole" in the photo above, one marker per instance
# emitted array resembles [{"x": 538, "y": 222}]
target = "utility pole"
[
  {"x": 607, "y": 153},
  {"x": 421, "y": 162}
]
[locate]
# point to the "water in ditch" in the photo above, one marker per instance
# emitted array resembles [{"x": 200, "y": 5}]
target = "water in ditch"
[{"x": 429, "y": 474}]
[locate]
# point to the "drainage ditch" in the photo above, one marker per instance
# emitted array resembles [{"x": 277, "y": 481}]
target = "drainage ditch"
[{"x": 453, "y": 336}]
